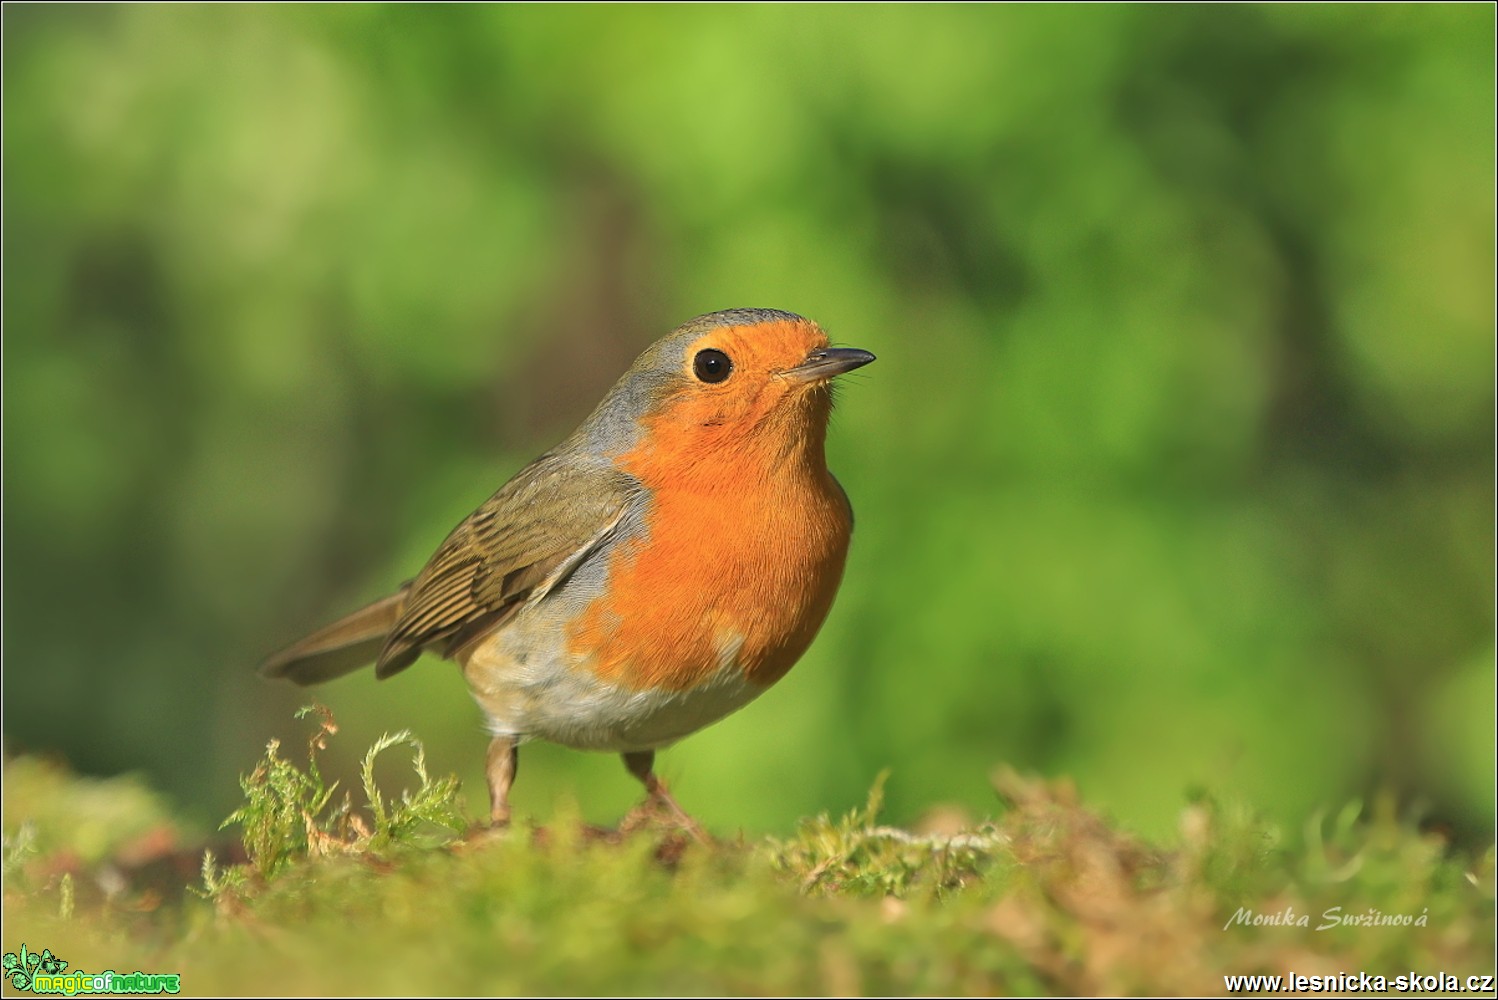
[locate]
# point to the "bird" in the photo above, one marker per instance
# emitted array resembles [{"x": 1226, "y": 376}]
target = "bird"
[{"x": 664, "y": 565}]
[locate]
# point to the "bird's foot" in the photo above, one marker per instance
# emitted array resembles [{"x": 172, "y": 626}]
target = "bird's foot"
[{"x": 659, "y": 809}]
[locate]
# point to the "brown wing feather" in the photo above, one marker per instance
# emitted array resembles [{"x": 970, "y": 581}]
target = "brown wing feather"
[{"x": 527, "y": 536}]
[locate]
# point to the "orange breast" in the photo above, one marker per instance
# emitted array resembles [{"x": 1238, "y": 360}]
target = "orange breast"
[{"x": 742, "y": 554}]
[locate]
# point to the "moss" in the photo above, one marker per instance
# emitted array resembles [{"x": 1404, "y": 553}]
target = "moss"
[{"x": 324, "y": 897}]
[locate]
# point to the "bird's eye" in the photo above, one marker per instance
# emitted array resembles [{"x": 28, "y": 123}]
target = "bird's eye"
[{"x": 712, "y": 365}]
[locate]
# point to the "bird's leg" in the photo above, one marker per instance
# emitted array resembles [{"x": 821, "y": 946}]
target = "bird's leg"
[
  {"x": 641, "y": 764},
  {"x": 503, "y": 761}
]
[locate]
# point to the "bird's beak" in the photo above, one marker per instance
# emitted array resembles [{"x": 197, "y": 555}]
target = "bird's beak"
[{"x": 825, "y": 362}]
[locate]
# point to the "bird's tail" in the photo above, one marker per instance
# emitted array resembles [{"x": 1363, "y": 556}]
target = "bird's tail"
[{"x": 334, "y": 650}]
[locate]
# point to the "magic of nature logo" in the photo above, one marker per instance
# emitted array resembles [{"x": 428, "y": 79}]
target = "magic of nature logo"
[{"x": 46, "y": 973}]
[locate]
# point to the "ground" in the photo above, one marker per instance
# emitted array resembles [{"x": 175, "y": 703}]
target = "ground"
[{"x": 312, "y": 892}]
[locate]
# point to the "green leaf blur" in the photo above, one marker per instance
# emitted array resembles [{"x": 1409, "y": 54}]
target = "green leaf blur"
[{"x": 1175, "y": 471}]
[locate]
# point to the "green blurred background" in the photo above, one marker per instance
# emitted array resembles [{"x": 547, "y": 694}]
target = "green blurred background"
[{"x": 1175, "y": 471}]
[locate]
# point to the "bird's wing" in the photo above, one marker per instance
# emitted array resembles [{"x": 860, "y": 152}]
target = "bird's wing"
[{"x": 523, "y": 541}]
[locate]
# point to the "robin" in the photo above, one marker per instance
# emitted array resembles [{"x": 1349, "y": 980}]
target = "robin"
[{"x": 657, "y": 570}]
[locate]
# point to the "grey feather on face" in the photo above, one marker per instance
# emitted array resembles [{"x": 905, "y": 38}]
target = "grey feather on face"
[{"x": 613, "y": 428}]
